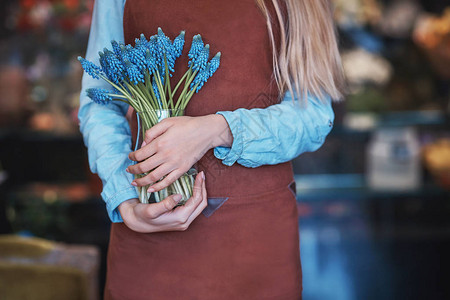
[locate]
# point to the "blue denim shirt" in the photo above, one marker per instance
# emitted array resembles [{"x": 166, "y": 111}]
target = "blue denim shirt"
[{"x": 271, "y": 135}]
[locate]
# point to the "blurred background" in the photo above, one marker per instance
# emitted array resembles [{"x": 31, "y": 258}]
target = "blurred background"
[{"x": 374, "y": 201}]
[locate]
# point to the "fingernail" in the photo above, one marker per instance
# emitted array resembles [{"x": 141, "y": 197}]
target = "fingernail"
[
  {"x": 177, "y": 198},
  {"x": 134, "y": 183},
  {"x": 150, "y": 190},
  {"x": 128, "y": 170},
  {"x": 203, "y": 175},
  {"x": 143, "y": 144}
]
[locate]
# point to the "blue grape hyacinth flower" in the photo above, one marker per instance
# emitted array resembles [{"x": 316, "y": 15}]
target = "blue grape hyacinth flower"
[
  {"x": 112, "y": 66},
  {"x": 156, "y": 50},
  {"x": 155, "y": 89},
  {"x": 137, "y": 58},
  {"x": 116, "y": 46},
  {"x": 152, "y": 45},
  {"x": 178, "y": 44},
  {"x": 99, "y": 96},
  {"x": 200, "y": 61},
  {"x": 167, "y": 48},
  {"x": 124, "y": 55},
  {"x": 136, "y": 71},
  {"x": 141, "y": 43},
  {"x": 196, "y": 46},
  {"x": 202, "y": 77},
  {"x": 90, "y": 68},
  {"x": 150, "y": 62},
  {"x": 214, "y": 63},
  {"x": 133, "y": 73}
]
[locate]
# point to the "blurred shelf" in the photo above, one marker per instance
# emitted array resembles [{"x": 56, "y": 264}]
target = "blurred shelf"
[
  {"x": 3, "y": 176},
  {"x": 414, "y": 118},
  {"x": 24, "y": 135},
  {"x": 324, "y": 187},
  {"x": 51, "y": 156},
  {"x": 363, "y": 123}
]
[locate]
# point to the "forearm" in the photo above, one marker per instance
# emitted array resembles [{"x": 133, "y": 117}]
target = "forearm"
[
  {"x": 107, "y": 136},
  {"x": 277, "y": 133},
  {"x": 220, "y": 133},
  {"x": 105, "y": 129}
]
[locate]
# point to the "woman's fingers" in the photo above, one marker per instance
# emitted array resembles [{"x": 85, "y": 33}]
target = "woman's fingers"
[
  {"x": 182, "y": 213},
  {"x": 185, "y": 214},
  {"x": 148, "y": 148},
  {"x": 144, "y": 152},
  {"x": 157, "y": 130},
  {"x": 162, "y": 216},
  {"x": 155, "y": 210},
  {"x": 168, "y": 180},
  {"x": 150, "y": 135},
  {"x": 202, "y": 205},
  {"x": 197, "y": 194},
  {"x": 146, "y": 165}
]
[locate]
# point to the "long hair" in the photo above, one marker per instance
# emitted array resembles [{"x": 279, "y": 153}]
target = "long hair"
[{"x": 308, "y": 60}]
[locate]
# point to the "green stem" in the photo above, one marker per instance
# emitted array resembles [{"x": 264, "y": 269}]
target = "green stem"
[
  {"x": 156, "y": 106},
  {"x": 123, "y": 101},
  {"x": 186, "y": 86},
  {"x": 161, "y": 90},
  {"x": 188, "y": 97},
  {"x": 181, "y": 80},
  {"x": 118, "y": 96},
  {"x": 190, "y": 94},
  {"x": 136, "y": 104},
  {"x": 178, "y": 188},
  {"x": 117, "y": 87},
  {"x": 187, "y": 181},
  {"x": 144, "y": 102},
  {"x": 149, "y": 118},
  {"x": 150, "y": 88},
  {"x": 147, "y": 95},
  {"x": 169, "y": 91}
]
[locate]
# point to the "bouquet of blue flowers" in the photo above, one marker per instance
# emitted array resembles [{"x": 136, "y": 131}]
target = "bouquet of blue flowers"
[{"x": 140, "y": 76}]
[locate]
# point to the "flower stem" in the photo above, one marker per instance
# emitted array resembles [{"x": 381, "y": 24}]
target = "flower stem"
[
  {"x": 169, "y": 92},
  {"x": 181, "y": 80},
  {"x": 161, "y": 90},
  {"x": 181, "y": 103}
]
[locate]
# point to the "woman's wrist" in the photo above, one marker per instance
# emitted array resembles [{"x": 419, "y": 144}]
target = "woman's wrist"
[
  {"x": 220, "y": 131},
  {"x": 126, "y": 205}
]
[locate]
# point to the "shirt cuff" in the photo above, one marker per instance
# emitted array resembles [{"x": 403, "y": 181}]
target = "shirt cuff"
[
  {"x": 113, "y": 202},
  {"x": 230, "y": 155}
]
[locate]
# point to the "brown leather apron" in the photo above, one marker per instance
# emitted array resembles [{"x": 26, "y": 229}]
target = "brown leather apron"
[{"x": 245, "y": 245}]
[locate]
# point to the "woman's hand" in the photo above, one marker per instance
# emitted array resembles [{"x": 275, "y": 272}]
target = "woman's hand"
[
  {"x": 174, "y": 145},
  {"x": 162, "y": 216}
]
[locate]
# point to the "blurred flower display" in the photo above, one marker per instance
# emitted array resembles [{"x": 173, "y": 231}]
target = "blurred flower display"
[
  {"x": 398, "y": 18},
  {"x": 44, "y": 38},
  {"x": 392, "y": 52},
  {"x": 357, "y": 12},
  {"x": 362, "y": 67},
  {"x": 432, "y": 30},
  {"x": 437, "y": 160},
  {"x": 41, "y": 14},
  {"x": 432, "y": 34}
]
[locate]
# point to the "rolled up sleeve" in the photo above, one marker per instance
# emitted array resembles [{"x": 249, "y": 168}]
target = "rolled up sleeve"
[
  {"x": 106, "y": 132},
  {"x": 278, "y": 133}
]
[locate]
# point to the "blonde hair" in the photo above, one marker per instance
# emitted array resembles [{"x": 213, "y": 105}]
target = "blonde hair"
[{"x": 308, "y": 60}]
